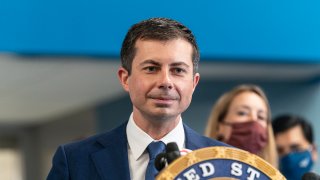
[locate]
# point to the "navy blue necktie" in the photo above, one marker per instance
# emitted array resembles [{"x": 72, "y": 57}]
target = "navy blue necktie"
[{"x": 154, "y": 148}]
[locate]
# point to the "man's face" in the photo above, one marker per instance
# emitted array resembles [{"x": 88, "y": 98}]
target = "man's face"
[
  {"x": 161, "y": 83},
  {"x": 293, "y": 140}
]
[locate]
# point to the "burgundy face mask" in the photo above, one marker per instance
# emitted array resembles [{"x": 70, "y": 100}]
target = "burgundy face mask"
[{"x": 249, "y": 136}]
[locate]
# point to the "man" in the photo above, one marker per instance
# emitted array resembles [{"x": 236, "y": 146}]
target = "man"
[
  {"x": 159, "y": 59},
  {"x": 295, "y": 144}
]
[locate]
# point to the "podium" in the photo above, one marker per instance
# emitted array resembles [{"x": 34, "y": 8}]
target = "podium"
[{"x": 219, "y": 163}]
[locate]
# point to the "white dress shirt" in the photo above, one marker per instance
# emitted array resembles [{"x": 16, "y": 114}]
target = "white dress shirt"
[{"x": 138, "y": 142}]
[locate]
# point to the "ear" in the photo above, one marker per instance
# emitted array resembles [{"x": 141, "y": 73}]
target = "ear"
[
  {"x": 314, "y": 153},
  {"x": 196, "y": 79},
  {"x": 123, "y": 76}
]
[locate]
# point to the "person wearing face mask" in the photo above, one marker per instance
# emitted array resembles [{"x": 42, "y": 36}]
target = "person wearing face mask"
[
  {"x": 242, "y": 118},
  {"x": 295, "y": 145}
]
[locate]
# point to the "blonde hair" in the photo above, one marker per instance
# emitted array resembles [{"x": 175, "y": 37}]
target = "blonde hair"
[{"x": 220, "y": 110}]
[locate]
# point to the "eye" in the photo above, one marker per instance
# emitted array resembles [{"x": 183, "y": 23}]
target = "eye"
[
  {"x": 178, "y": 70},
  {"x": 262, "y": 118},
  {"x": 242, "y": 113},
  {"x": 280, "y": 150},
  {"x": 295, "y": 148},
  {"x": 150, "y": 69}
]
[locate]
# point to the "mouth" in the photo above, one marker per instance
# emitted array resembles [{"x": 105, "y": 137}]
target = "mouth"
[{"x": 163, "y": 100}]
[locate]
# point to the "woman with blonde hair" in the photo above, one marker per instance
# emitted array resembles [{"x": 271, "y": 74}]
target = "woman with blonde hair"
[{"x": 242, "y": 118}]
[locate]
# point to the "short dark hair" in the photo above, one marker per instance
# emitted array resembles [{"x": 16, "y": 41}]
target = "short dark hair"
[
  {"x": 285, "y": 122},
  {"x": 162, "y": 29}
]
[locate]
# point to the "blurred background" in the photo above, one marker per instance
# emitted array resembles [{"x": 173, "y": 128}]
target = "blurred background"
[{"x": 59, "y": 61}]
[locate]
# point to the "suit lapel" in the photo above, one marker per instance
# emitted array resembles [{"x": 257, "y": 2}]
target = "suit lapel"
[{"x": 112, "y": 160}]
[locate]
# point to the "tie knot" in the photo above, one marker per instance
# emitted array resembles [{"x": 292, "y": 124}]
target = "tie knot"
[{"x": 155, "y": 148}]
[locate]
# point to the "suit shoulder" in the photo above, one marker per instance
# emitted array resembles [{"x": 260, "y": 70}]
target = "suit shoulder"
[
  {"x": 96, "y": 141},
  {"x": 78, "y": 145},
  {"x": 213, "y": 142},
  {"x": 196, "y": 141}
]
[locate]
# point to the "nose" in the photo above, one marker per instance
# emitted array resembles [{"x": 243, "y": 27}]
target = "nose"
[
  {"x": 285, "y": 151},
  {"x": 253, "y": 116},
  {"x": 165, "y": 81}
]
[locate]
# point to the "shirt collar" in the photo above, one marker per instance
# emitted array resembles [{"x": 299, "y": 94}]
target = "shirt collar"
[{"x": 138, "y": 140}]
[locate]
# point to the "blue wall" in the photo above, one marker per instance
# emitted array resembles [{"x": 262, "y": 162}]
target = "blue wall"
[{"x": 265, "y": 30}]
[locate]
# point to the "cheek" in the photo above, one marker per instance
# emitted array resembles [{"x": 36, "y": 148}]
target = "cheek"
[
  {"x": 233, "y": 118},
  {"x": 263, "y": 123},
  {"x": 135, "y": 88},
  {"x": 185, "y": 87},
  {"x": 136, "y": 85}
]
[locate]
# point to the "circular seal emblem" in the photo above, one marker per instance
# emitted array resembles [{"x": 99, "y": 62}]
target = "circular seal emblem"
[{"x": 219, "y": 163}]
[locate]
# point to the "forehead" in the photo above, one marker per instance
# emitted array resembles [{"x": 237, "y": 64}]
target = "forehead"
[
  {"x": 178, "y": 50},
  {"x": 248, "y": 98},
  {"x": 293, "y": 135}
]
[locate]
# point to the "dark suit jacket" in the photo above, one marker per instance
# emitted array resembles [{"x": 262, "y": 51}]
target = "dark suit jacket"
[{"x": 105, "y": 156}]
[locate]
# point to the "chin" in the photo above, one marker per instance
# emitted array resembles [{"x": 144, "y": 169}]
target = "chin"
[{"x": 163, "y": 116}]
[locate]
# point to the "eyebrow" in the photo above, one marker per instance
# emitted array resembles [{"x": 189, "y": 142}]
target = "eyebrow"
[
  {"x": 149, "y": 61},
  {"x": 244, "y": 106},
  {"x": 180, "y": 64},
  {"x": 153, "y": 62},
  {"x": 247, "y": 107}
]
